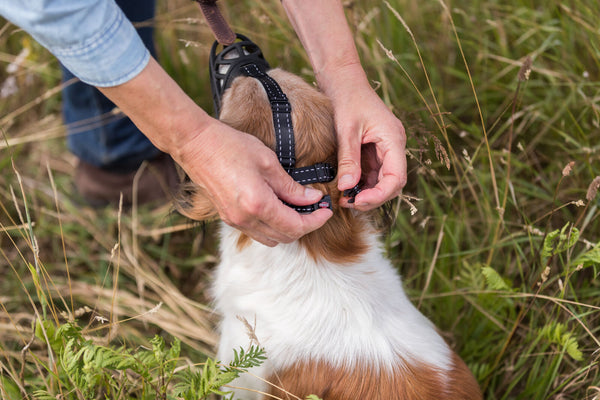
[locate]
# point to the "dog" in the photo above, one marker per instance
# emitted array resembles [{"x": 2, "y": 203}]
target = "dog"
[{"x": 329, "y": 309}]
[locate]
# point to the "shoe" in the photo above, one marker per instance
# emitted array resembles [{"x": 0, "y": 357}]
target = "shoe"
[{"x": 158, "y": 182}]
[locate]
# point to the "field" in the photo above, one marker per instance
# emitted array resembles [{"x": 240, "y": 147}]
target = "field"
[{"x": 497, "y": 236}]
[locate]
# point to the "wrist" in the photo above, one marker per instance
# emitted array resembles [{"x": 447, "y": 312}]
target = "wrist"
[
  {"x": 343, "y": 83},
  {"x": 341, "y": 76},
  {"x": 192, "y": 141}
]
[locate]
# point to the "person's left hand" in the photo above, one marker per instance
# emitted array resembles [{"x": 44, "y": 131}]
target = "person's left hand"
[{"x": 371, "y": 143}]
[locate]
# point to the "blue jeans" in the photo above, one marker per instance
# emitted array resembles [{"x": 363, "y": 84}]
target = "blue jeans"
[{"x": 95, "y": 134}]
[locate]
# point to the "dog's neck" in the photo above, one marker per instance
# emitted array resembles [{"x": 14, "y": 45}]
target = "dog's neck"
[{"x": 344, "y": 238}]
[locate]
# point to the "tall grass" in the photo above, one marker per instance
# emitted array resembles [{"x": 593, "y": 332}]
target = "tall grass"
[{"x": 501, "y": 103}]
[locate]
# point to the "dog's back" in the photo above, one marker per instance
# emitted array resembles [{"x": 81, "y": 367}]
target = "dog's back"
[{"x": 329, "y": 309}]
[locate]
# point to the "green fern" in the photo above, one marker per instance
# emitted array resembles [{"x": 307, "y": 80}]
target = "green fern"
[
  {"x": 588, "y": 258},
  {"x": 558, "y": 334},
  {"x": 86, "y": 369},
  {"x": 560, "y": 240},
  {"x": 196, "y": 384},
  {"x": 243, "y": 360},
  {"x": 493, "y": 280}
]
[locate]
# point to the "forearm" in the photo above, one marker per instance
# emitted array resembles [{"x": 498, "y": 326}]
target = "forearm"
[
  {"x": 324, "y": 32},
  {"x": 160, "y": 109}
]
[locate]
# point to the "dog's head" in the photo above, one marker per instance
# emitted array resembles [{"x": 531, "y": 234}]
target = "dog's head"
[{"x": 246, "y": 107}]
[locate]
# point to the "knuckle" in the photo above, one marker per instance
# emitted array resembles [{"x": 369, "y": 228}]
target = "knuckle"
[
  {"x": 346, "y": 162},
  {"x": 235, "y": 219},
  {"x": 250, "y": 205},
  {"x": 267, "y": 161},
  {"x": 402, "y": 138},
  {"x": 291, "y": 186}
]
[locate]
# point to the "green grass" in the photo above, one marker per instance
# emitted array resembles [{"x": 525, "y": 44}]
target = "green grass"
[{"x": 503, "y": 254}]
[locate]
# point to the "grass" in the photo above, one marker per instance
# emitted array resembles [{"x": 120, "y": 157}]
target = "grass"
[{"x": 502, "y": 254}]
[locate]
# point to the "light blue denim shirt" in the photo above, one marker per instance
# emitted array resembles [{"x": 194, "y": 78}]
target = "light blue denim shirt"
[{"x": 92, "y": 38}]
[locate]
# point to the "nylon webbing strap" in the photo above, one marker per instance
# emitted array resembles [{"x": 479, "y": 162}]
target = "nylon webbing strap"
[
  {"x": 317, "y": 173},
  {"x": 324, "y": 203},
  {"x": 282, "y": 116}
]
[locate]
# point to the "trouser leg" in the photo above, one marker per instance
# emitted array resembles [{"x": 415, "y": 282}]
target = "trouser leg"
[{"x": 97, "y": 135}]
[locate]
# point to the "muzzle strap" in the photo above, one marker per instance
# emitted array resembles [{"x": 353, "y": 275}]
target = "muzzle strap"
[
  {"x": 282, "y": 116},
  {"x": 317, "y": 173}
]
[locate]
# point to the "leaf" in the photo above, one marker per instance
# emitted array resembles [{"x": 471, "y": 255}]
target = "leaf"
[
  {"x": 312, "y": 397},
  {"x": 559, "y": 335},
  {"x": 589, "y": 258},
  {"x": 493, "y": 280},
  {"x": 45, "y": 329},
  {"x": 10, "y": 389},
  {"x": 560, "y": 240},
  {"x": 172, "y": 356},
  {"x": 41, "y": 395},
  {"x": 158, "y": 348}
]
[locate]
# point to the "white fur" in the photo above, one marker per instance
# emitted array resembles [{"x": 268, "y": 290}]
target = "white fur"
[{"x": 301, "y": 310}]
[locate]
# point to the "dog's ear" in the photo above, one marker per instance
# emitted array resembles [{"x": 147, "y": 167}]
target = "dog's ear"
[
  {"x": 194, "y": 203},
  {"x": 246, "y": 108}
]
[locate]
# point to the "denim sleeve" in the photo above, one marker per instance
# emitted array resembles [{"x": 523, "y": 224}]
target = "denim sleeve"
[{"x": 91, "y": 38}]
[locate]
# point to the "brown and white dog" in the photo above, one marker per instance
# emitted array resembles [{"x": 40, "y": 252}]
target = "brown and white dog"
[{"x": 329, "y": 309}]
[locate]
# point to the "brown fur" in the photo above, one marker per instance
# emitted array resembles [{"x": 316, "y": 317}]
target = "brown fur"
[
  {"x": 406, "y": 383},
  {"x": 246, "y": 108}
]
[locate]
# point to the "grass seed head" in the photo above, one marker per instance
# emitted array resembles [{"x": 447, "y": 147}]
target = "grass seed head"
[
  {"x": 525, "y": 70},
  {"x": 593, "y": 189},
  {"x": 568, "y": 168}
]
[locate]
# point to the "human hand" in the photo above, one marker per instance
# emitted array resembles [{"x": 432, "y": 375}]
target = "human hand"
[
  {"x": 371, "y": 143},
  {"x": 364, "y": 124},
  {"x": 245, "y": 182}
]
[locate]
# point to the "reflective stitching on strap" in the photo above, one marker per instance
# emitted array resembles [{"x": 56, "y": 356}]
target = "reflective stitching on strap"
[
  {"x": 279, "y": 105},
  {"x": 320, "y": 172}
]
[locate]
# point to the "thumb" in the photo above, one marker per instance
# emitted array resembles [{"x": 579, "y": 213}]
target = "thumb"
[
  {"x": 348, "y": 160},
  {"x": 290, "y": 191}
]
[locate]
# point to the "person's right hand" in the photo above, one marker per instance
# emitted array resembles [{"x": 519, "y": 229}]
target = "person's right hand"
[{"x": 245, "y": 183}]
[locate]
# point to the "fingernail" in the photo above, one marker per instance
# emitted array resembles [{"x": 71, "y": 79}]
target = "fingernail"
[
  {"x": 345, "y": 181},
  {"x": 312, "y": 193}
]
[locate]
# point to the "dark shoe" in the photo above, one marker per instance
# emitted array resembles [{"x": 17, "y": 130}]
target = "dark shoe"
[{"x": 157, "y": 183}]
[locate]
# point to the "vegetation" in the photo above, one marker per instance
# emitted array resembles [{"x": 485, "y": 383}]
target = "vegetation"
[{"x": 497, "y": 235}]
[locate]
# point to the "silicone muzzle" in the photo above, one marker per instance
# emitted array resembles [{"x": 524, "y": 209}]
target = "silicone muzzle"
[{"x": 226, "y": 65}]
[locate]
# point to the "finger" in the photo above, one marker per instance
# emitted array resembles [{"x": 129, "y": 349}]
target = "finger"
[
  {"x": 277, "y": 222},
  {"x": 267, "y": 241},
  {"x": 290, "y": 191},
  {"x": 385, "y": 190},
  {"x": 287, "y": 225},
  {"x": 265, "y": 235},
  {"x": 270, "y": 236},
  {"x": 258, "y": 231},
  {"x": 348, "y": 159},
  {"x": 393, "y": 179}
]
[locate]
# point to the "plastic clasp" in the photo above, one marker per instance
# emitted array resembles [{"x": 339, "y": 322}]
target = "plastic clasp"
[{"x": 352, "y": 193}]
